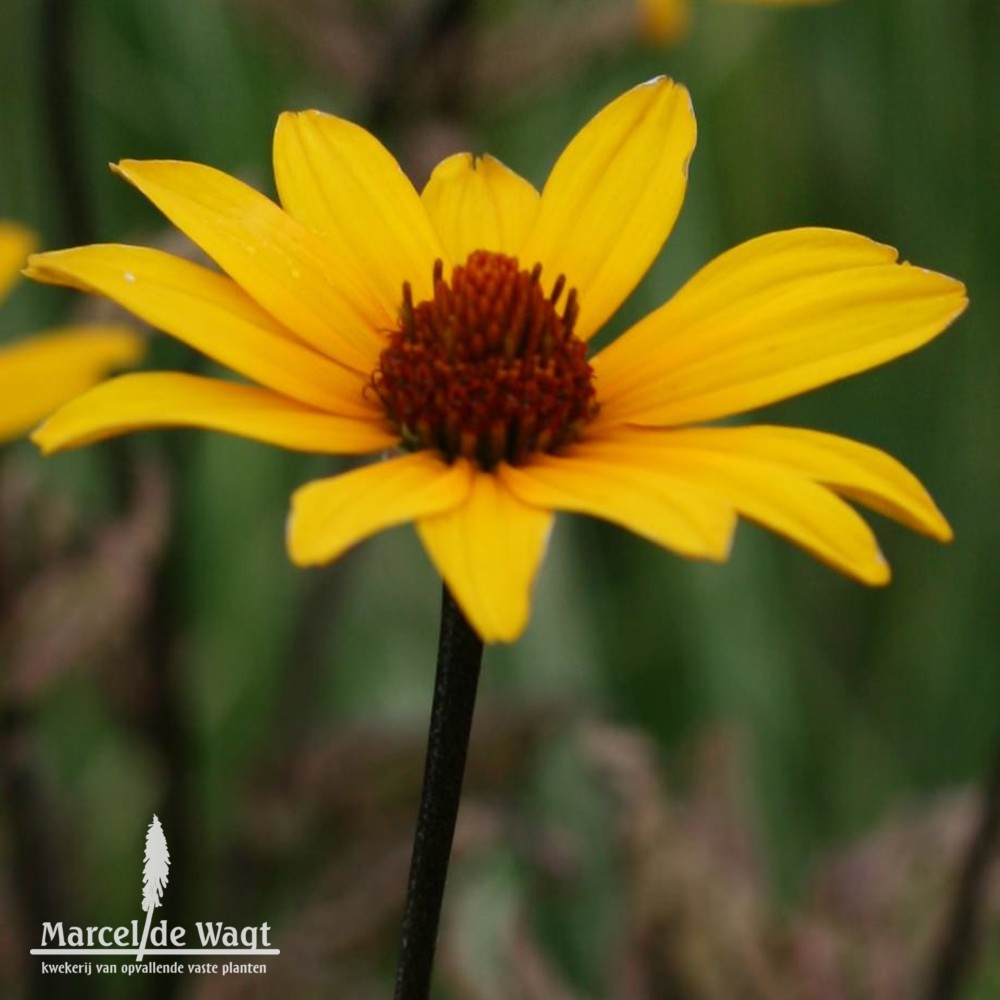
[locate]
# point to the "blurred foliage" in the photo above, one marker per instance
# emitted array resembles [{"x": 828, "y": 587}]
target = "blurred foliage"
[{"x": 851, "y": 706}]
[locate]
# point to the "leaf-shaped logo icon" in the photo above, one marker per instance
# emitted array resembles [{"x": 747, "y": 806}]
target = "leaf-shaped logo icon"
[{"x": 155, "y": 872}]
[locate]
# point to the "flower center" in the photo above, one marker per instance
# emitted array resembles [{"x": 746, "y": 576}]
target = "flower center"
[{"x": 488, "y": 368}]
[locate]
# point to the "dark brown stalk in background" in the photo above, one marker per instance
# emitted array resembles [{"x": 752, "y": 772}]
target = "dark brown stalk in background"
[
  {"x": 163, "y": 718},
  {"x": 959, "y": 943},
  {"x": 34, "y": 875},
  {"x": 439, "y": 35}
]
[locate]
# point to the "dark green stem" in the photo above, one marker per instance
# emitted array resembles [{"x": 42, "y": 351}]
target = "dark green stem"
[
  {"x": 460, "y": 654},
  {"x": 60, "y": 94}
]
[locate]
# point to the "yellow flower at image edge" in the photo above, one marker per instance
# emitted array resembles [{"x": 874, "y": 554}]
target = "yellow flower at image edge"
[
  {"x": 40, "y": 373},
  {"x": 664, "y": 22},
  {"x": 452, "y": 325}
]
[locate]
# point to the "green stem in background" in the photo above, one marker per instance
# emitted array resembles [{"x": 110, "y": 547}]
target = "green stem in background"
[
  {"x": 460, "y": 654},
  {"x": 59, "y": 97},
  {"x": 61, "y": 119}
]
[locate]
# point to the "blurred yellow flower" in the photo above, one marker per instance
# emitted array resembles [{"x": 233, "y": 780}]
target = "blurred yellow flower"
[
  {"x": 41, "y": 373},
  {"x": 665, "y": 22},
  {"x": 453, "y": 324}
]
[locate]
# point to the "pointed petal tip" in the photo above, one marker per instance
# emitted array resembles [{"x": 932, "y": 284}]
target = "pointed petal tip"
[
  {"x": 287, "y": 119},
  {"x": 939, "y": 529},
  {"x": 299, "y": 555},
  {"x": 493, "y": 630},
  {"x": 488, "y": 550},
  {"x": 505, "y": 636},
  {"x": 128, "y": 168},
  {"x": 667, "y": 83},
  {"x": 766, "y": 314},
  {"x": 329, "y": 516},
  {"x": 936, "y": 284},
  {"x": 962, "y": 298},
  {"x": 39, "y": 268},
  {"x": 660, "y": 80},
  {"x": 293, "y": 113},
  {"x": 43, "y": 439},
  {"x": 37, "y": 438},
  {"x": 875, "y": 572},
  {"x": 613, "y": 195}
]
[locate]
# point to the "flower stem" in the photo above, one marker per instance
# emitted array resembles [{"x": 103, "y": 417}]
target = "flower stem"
[{"x": 460, "y": 653}]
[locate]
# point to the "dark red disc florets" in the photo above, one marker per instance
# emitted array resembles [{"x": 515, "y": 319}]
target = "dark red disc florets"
[{"x": 489, "y": 368}]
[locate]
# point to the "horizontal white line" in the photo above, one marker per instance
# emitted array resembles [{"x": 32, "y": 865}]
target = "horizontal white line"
[{"x": 147, "y": 952}]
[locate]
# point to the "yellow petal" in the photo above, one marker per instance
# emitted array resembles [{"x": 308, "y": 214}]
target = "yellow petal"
[
  {"x": 167, "y": 399},
  {"x": 771, "y": 318},
  {"x": 39, "y": 374},
  {"x": 476, "y": 203},
  {"x": 330, "y": 515},
  {"x": 210, "y": 313},
  {"x": 612, "y": 198},
  {"x": 854, "y": 470},
  {"x": 16, "y": 242},
  {"x": 338, "y": 179},
  {"x": 290, "y": 271},
  {"x": 767, "y": 492},
  {"x": 488, "y": 551},
  {"x": 646, "y": 500}
]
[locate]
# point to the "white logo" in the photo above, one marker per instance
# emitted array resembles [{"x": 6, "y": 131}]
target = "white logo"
[
  {"x": 213, "y": 937},
  {"x": 154, "y": 876}
]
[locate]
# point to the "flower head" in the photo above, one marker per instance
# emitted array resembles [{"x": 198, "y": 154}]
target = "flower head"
[
  {"x": 450, "y": 329},
  {"x": 39, "y": 374}
]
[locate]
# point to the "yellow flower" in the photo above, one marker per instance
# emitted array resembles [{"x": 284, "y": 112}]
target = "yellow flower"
[
  {"x": 452, "y": 325},
  {"x": 665, "y": 22},
  {"x": 39, "y": 374}
]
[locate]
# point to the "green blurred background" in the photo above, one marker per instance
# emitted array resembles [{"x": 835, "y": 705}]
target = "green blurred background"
[{"x": 682, "y": 773}]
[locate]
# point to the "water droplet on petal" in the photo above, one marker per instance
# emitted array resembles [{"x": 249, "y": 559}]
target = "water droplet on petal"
[{"x": 129, "y": 277}]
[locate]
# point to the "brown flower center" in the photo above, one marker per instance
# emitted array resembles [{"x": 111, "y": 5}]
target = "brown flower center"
[{"x": 488, "y": 368}]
